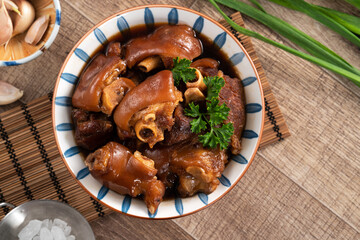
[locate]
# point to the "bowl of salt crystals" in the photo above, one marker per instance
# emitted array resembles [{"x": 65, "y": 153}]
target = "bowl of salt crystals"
[{"x": 44, "y": 220}]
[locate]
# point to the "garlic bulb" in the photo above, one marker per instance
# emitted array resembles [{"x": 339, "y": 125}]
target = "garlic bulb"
[
  {"x": 37, "y": 30},
  {"x": 6, "y": 29},
  {"x": 22, "y": 22},
  {"x": 9, "y": 93}
]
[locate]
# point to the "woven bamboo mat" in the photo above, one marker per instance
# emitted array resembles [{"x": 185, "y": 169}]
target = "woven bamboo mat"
[{"x": 31, "y": 166}]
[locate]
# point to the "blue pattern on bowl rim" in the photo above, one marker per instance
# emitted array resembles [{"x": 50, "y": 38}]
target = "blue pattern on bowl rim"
[
  {"x": 64, "y": 127},
  {"x": 122, "y": 24},
  {"x": 240, "y": 159},
  {"x": 82, "y": 173},
  {"x": 63, "y": 101},
  {"x": 179, "y": 206},
  {"x": 46, "y": 45},
  {"x": 237, "y": 58},
  {"x": 203, "y": 197},
  {"x": 102, "y": 192},
  {"x": 199, "y": 24},
  {"x": 71, "y": 152},
  {"x": 100, "y": 36},
  {"x": 82, "y": 54},
  {"x": 224, "y": 181},
  {"x": 253, "y": 108},
  {"x": 126, "y": 204},
  {"x": 70, "y": 78},
  {"x": 240, "y": 60},
  {"x": 173, "y": 17},
  {"x": 148, "y": 18},
  {"x": 220, "y": 40}
]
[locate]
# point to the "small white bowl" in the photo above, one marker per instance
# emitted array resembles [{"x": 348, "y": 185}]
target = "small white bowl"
[
  {"x": 17, "y": 51},
  {"x": 86, "y": 47}
]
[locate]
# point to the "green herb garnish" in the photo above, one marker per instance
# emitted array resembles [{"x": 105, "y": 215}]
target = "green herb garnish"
[
  {"x": 182, "y": 70},
  {"x": 213, "y": 119}
]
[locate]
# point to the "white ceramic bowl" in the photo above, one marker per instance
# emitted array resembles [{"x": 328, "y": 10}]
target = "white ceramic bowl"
[
  {"x": 86, "y": 47},
  {"x": 17, "y": 52}
]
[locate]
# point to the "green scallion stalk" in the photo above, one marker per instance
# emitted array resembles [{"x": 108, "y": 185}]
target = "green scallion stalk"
[
  {"x": 353, "y": 77},
  {"x": 355, "y": 3},
  {"x": 313, "y": 12},
  {"x": 258, "y": 5},
  {"x": 349, "y": 21},
  {"x": 298, "y": 37}
]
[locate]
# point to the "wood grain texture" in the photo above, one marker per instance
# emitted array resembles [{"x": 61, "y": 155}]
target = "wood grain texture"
[
  {"x": 306, "y": 187},
  {"x": 118, "y": 226},
  {"x": 322, "y": 111},
  {"x": 266, "y": 204}
]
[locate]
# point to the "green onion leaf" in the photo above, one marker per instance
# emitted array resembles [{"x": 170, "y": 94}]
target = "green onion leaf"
[
  {"x": 313, "y": 12},
  {"x": 350, "y": 75},
  {"x": 298, "y": 37},
  {"x": 355, "y": 3},
  {"x": 349, "y": 21},
  {"x": 258, "y": 5}
]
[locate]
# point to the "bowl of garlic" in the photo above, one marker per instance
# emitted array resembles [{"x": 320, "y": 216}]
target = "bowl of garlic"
[{"x": 27, "y": 29}]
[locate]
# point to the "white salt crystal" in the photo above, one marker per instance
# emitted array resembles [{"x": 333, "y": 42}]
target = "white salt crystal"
[
  {"x": 45, "y": 234},
  {"x": 60, "y": 223},
  {"x": 36, "y": 238},
  {"x": 57, "y": 233},
  {"x": 46, "y": 223},
  {"x": 71, "y": 237},
  {"x": 67, "y": 231},
  {"x": 30, "y": 230}
]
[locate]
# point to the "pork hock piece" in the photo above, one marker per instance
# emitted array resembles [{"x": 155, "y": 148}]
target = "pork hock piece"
[
  {"x": 100, "y": 79},
  {"x": 168, "y": 42},
  {"x": 126, "y": 173},
  {"x": 197, "y": 168},
  {"x": 148, "y": 109},
  {"x": 233, "y": 95},
  {"x": 92, "y": 130}
]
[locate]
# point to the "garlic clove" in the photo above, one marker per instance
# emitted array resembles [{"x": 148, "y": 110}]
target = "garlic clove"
[
  {"x": 10, "y": 5},
  {"x": 9, "y": 93},
  {"x": 37, "y": 30},
  {"x": 6, "y": 29},
  {"x": 22, "y": 22}
]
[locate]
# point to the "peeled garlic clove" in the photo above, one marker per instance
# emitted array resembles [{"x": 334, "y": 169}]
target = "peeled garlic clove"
[
  {"x": 9, "y": 93},
  {"x": 10, "y": 5},
  {"x": 22, "y": 22},
  {"x": 6, "y": 29},
  {"x": 37, "y": 30}
]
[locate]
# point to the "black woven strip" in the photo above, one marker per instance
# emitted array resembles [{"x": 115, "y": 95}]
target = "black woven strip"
[
  {"x": 272, "y": 119},
  {"x": 2, "y": 199},
  {"x": 44, "y": 155},
  {"x": 14, "y": 160},
  {"x": 50, "y": 96},
  {"x": 235, "y": 33},
  {"x": 98, "y": 207}
]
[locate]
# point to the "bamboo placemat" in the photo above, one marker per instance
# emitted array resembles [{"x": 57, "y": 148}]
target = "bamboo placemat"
[{"x": 31, "y": 166}]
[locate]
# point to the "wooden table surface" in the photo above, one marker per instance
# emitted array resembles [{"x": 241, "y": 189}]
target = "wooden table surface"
[{"x": 306, "y": 187}]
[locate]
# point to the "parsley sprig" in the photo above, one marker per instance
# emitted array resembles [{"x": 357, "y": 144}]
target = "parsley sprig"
[
  {"x": 182, "y": 70},
  {"x": 213, "y": 119}
]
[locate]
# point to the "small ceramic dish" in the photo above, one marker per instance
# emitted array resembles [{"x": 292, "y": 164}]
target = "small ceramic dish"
[
  {"x": 18, "y": 51},
  {"x": 20, "y": 216},
  {"x": 121, "y": 22}
]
